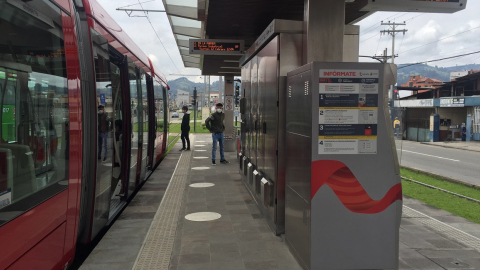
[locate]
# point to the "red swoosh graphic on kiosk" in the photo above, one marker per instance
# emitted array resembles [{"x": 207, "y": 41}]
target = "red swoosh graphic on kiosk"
[{"x": 349, "y": 191}]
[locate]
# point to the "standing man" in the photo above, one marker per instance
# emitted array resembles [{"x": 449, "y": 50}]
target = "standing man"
[
  {"x": 396, "y": 127},
  {"x": 215, "y": 125},
  {"x": 185, "y": 127},
  {"x": 102, "y": 121}
]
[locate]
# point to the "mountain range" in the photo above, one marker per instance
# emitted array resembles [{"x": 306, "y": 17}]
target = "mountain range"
[
  {"x": 403, "y": 76},
  {"x": 185, "y": 84},
  {"x": 434, "y": 72}
]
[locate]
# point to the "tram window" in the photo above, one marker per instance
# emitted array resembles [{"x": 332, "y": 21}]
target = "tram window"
[
  {"x": 136, "y": 118},
  {"x": 159, "y": 107},
  {"x": 34, "y": 106},
  {"x": 109, "y": 130}
]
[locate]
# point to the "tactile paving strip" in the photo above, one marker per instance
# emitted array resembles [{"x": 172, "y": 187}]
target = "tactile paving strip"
[
  {"x": 158, "y": 245},
  {"x": 442, "y": 228}
]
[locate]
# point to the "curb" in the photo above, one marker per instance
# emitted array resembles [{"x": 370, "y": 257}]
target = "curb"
[
  {"x": 447, "y": 146},
  {"x": 446, "y": 178}
]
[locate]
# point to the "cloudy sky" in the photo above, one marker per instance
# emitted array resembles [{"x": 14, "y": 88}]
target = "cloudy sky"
[{"x": 428, "y": 36}]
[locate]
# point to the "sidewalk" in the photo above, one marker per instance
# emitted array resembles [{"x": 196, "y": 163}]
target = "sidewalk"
[
  {"x": 229, "y": 232},
  {"x": 469, "y": 146}
]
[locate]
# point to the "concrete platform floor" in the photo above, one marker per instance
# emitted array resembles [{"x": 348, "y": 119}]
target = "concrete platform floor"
[{"x": 240, "y": 239}]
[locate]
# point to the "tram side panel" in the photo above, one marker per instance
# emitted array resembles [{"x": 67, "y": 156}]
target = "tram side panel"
[{"x": 41, "y": 156}]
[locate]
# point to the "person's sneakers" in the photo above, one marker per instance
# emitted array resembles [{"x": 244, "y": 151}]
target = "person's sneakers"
[
  {"x": 105, "y": 158},
  {"x": 188, "y": 149},
  {"x": 224, "y": 161},
  {"x": 182, "y": 149},
  {"x": 213, "y": 163}
]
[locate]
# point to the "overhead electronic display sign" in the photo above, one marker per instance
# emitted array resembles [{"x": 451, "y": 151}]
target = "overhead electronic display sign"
[
  {"x": 434, "y": 6},
  {"x": 216, "y": 46}
]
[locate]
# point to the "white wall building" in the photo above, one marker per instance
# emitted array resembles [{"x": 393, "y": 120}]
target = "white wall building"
[
  {"x": 183, "y": 98},
  {"x": 457, "y": 74}
]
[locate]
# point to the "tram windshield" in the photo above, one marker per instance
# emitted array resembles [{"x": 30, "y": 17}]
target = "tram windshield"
[{"x": 34, "y": 106}]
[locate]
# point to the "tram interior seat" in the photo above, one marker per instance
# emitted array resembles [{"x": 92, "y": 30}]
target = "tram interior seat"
[{"x": 23, "y": 170}]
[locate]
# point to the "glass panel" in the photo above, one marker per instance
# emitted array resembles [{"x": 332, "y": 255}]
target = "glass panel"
[
  {"x": 159, "y": 118},
  {"x": 188, "y": 3},
  {"x": 144, "y": 126},
  {"x": 109, "y": 127},
  {"x": 34, "y": 111},
  {"x": 177, "y": 21},
  {"x": 182, "y": 37},
  {"x": 117, "y": 182},
  {"x": 136, "y": 118}
]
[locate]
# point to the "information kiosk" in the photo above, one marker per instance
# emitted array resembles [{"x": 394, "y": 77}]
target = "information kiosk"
[{"x": 343, "y": 189}]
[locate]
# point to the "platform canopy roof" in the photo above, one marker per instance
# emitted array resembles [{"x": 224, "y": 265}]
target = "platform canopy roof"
[{"x": 233, "y": 20}]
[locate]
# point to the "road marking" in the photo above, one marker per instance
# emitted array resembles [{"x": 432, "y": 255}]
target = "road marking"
[{"x": 456, "y": 160}]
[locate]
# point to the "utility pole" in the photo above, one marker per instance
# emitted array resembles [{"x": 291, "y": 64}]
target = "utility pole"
[
  {"x": 194, "y": 109},
  {"x": 220, "y": 85},
  {"x": 393, "y": 31}
]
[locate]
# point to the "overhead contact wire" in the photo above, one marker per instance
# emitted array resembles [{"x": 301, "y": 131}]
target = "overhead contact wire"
[{"x": 148, "y": 19}]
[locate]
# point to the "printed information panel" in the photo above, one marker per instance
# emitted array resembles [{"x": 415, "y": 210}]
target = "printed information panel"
[{"x": 348, "y": 111}]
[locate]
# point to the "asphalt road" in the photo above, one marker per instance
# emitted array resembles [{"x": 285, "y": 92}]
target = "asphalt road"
[{"x": 458, "y": 164}]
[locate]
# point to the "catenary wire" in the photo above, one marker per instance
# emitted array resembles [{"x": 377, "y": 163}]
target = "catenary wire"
[
  {"x": 148, "y": 19},
  {"x": 441, "y": 39},
  {"x": 437, "y": 60},
  {"x": 137, "y": 4}
]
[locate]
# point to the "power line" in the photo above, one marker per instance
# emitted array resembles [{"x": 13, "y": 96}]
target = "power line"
[
  {"x": 370, "y": 38},
  {"x": 403, "y": 37},
  {"x": 441, "y": 59},
  {"x": 393, "y": 32},
  {"x": 148, "y": 19},
  {"x": 440, "y": 39},
  {"x": 366, "y": 32},
  {"x": 376, "y": 24},
  {"x": 413, "y": 18}
]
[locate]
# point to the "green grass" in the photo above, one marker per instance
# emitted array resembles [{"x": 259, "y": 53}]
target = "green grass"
[
  {"x": 440, "y": 183},
  {"x": 175, "y": 128},
  {"x": 174, "y": 139},
  {"x": 171, "y": 138},
  {"x": 450, "y": 203}
]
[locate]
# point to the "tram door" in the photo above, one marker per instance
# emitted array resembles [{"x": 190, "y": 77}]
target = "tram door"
[
  {"x": 109, "y": 136},
  {"x": 143, "y": 109},
  {"x": 136, "y": 125},
  {"x": 160, "y": 124}
]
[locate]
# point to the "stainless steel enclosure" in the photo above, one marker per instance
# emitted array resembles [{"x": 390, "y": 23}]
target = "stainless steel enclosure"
[
  {"x": 264, "y": 71},
  {"x": 343, "y": 191}
]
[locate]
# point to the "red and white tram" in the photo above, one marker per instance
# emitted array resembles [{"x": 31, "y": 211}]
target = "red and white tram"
[{"x": 83, "y": 123}]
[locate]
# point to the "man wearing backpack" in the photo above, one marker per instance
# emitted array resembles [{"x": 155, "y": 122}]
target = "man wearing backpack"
[{"x": 215, "y": 125}]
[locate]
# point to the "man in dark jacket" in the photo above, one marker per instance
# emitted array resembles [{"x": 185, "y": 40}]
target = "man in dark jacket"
[
  {"x": 215, "y": 125},
  {"x": 185, "y": 127}
]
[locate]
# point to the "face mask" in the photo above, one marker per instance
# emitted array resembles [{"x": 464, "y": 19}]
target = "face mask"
[
  {"x": 101, "y": 111},
  {"x": 219, "y": 110}
]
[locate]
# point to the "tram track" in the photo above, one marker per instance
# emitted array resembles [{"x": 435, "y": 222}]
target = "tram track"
[{"x": 441, "y": 189}]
